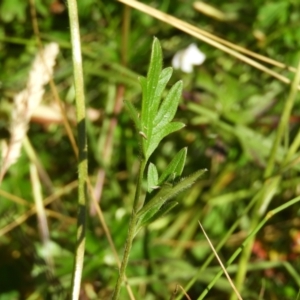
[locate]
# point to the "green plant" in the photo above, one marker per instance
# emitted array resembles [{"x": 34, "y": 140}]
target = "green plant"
[
  {"x": 153, "y": 124},
  {"x": 82, "y": 149}
]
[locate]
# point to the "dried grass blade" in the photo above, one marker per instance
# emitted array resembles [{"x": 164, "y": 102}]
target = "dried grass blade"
[
  {"x": 207, "y": 38},
  {"x": 25, "y": 103},
  {"x": 221, "y": 264}
]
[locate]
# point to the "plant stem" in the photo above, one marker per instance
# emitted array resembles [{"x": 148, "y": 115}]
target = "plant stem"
[
  {"x": 295, "y": 144},
  {"x": 265, "y": 196},
  {"x": 270, "y": 185},
  {"x": 268, "y": 216},
  {"x": 284, "y": 120},
  {"x": 82, "y": 147},
  {"x": 218, "y": 247},
  {"x": 131, "y": 232}
]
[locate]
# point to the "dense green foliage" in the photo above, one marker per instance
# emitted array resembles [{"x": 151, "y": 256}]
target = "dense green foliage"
[{"x": 231, "y": 112}]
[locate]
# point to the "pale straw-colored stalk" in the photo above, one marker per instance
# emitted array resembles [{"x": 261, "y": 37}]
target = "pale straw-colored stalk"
[
  {"x": 33, "y": 209},
  {"x": 214, "y": 41},
  {"x": 41, "y": 217},
  {"x": 25, "y": 103}
]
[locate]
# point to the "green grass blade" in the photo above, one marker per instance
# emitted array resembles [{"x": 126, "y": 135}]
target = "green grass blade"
[
  {"x": 249, "y": 238},
  {"x": 133, "y": 114}
]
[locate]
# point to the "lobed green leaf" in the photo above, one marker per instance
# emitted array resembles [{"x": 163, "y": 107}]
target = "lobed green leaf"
[
  {"x": 163, "y": 210},
  {"x": 168, "y": 192},
  {"x": 155, "y": 213},
  {"x": 154, "y": 123},
  {"x": 175, "y": 167},
  {"x": 152, "y": 177},
  {"x": 154, "y": 70},
  {"x": 147, "y": 216},
  {"x": 154, "y": 140},
  {"x": 168, "y": 107},
  {"x": 162, "y": 82}
]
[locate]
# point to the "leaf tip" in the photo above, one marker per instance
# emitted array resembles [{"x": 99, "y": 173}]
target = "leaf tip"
[
  {"x": 155, "y": 187},
  {"x": 141, "y": 133}
]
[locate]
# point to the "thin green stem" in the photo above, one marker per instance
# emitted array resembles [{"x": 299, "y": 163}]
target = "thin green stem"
[
  {"x": 82, "y": 146},
  {"x": 263, "y": 265},
  {"x": 284, "y": 120},
  {"x": 269, "y": 215},
  {"x": 270, "y": 186},
  {"x": 264, "y": 197},
  {"x": 131, "y": 232},
  {"x": 243, "y": 263},
  {"x": 292, "y": 150},
  {"x": 218, "y": 247}
]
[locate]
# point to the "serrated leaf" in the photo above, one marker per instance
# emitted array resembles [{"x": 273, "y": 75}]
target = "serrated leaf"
[
  {"x": 175, "y": 166},
  {"x": 155, "y": 214},
  {"x": 154, "y": 140},
  {"x": 163, "y": 210},
  {"x": 168, "y": 107},
  {"x": 156, "y": 116},
  {"x": 162, "y": 82},
  {"x": 149, "y": 86},
  {"x": 154, "y": 70},
  {"x": 168, "y": 192},
  {"x": 152, "y": 177},
  {"x": 133, "y": 114},
  {"x": 143, "y": 83},
  {"x": 144, "y": 219}
]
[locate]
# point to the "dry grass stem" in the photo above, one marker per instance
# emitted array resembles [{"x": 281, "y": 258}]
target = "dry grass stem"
[
  {"x": 185, "y": 293},
  {"x": 176, "y": 290},
  {"x": 212, "y": 40},
  {"x": 22, "y": 218},
  {"x": 41, "y": 216},
  {"x": 108, "y": 235},
  {"x": 221, "y": 264},
  {"x": 26, "y": 102}
]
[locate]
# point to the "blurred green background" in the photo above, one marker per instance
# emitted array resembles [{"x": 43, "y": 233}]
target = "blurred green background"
[{"x": 231, "y": 111}]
